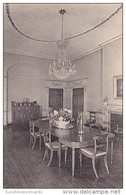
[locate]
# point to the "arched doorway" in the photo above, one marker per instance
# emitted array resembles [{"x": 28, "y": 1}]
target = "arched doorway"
[{"x": 23, "y": 81}]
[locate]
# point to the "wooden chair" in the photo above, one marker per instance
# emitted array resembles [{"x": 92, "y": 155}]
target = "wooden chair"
[
  {"x": 96, "y": 126},
  {"x": 52, "y": 146},
  {"x": 34, "y": 134},
  {"x": 100, "y": 149}
]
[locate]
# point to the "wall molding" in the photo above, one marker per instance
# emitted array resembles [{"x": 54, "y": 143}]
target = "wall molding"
[
  {"x": 19, "y": 76},
  {"x": 72, "y": 59},
  {"x": 110, "y": 40},
  {"x": 69, "y": 84},
  {"x": 77, "y": 83},
  {"x": 54, "y": 84},
  {"x": 86, "y": 53},
  {"x": 97, "y": 48},
  {"x": 27, "y": 54}
]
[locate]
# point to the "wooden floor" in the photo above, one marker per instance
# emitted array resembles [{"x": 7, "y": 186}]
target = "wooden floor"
[{"x": 24, "y": 168}]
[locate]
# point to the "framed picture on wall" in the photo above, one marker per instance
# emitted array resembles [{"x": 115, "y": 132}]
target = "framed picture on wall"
[{"x": 118, "y": 87}]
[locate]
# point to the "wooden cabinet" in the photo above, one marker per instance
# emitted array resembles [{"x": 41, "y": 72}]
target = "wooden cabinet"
[{"x": 22, "y": 112}]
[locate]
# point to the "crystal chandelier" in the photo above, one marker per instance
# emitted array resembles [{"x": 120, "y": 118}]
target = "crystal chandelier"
[{"x": 62, "y": 68}]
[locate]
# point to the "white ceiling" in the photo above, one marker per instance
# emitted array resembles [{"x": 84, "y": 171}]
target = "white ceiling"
[{"x": 42, "y": 21}]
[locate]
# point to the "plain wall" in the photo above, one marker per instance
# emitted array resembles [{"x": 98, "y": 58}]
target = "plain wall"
[
  {"x": 89, "y": 67},
  {"x": 112, "y": 66},
  {"x": 100, "y": 67}
]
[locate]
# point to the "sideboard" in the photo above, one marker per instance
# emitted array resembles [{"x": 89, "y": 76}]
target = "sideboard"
[{"x": 22, "y": 112}]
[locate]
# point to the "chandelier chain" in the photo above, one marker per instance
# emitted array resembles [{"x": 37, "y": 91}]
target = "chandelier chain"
[
  {"x": 75, "y": 36},
  {"x": 62, "y": 29}
]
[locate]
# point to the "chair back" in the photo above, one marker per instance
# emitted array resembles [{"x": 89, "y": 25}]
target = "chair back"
[
  {"x": 45, "y": 124},
  {"x": 31, "y": 127},
  {"x": 47, "y": 137},
  {"x": 100, "y": 143}
]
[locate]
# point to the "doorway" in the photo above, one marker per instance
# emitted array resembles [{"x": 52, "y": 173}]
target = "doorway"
[
  {"x": 78, "y": 101},
  {"x": 55, "y": 98}
]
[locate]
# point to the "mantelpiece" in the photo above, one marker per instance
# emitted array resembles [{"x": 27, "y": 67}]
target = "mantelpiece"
[
  {"x": 109, "y": 111},
  {"x": 115, "y": 118}
]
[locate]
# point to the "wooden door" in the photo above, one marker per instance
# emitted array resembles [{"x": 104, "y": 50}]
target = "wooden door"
[
  {"x": 78, "y": 101},
  {"x": 56, "y": 98}
]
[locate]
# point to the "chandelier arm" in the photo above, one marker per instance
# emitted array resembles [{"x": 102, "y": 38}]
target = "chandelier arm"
[{"x": 75, "y": 36}]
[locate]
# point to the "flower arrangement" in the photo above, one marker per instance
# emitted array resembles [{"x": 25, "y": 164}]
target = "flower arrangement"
[
  {"x": 61, "y": 118},
  {"x": 62, "y": 114}
]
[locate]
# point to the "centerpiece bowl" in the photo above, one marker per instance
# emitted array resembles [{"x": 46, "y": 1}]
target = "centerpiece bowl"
[{"x": 62, "y": 124}]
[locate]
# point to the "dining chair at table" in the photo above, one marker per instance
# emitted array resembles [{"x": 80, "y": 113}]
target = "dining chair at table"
[
  {"x": 52, "y": 146},
  {"x": 34, "y": 135},
  {"x": 98, "y": 150}
]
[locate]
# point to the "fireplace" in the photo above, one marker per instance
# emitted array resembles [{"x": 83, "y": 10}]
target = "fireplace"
[{"x": 116, "y": 122}]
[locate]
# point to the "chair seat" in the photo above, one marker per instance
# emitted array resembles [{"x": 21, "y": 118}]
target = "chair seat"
[
  {"x": 90, "y": 151},
  {"x": 55, "y": 145}
]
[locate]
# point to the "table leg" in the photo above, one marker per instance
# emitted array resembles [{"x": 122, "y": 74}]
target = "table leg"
[
  {"x": 73, "y": 161},
  {"x": 59, "y": 154},
  {"x": 40, "y": 142},
  {"x": 112, "y": 151}
]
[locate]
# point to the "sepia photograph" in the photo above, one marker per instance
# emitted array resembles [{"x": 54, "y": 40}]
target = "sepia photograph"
[{"x": 63, "y": 96}]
